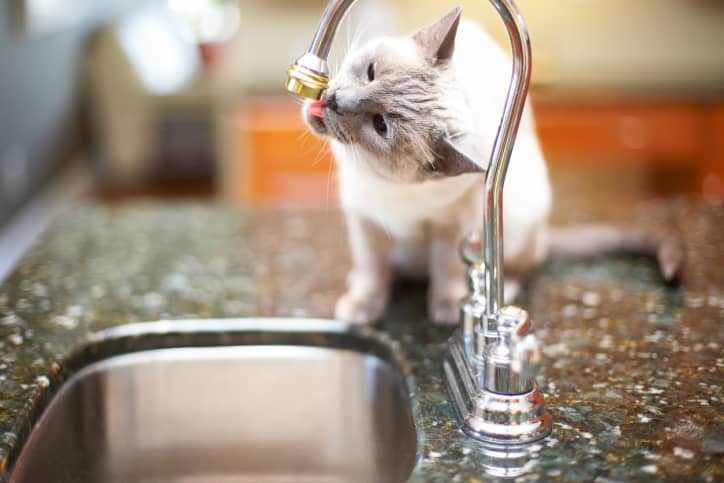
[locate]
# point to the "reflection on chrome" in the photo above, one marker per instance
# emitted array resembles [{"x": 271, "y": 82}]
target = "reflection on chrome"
[{"x": 507, "y": 461}]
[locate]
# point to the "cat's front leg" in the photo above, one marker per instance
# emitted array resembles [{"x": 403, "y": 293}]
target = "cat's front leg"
[
  {"x": 447, "y": 275},
  {"x": 368, "y": 283}
]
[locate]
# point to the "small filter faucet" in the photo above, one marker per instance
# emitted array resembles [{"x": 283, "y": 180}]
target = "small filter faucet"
[{"x": 491, "y": 361}]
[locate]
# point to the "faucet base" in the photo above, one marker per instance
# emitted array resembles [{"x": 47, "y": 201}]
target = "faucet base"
[{"x": 492, "y": 418}]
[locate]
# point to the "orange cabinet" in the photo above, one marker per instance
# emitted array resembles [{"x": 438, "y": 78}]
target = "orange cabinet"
[{"x": 276, "y": 161}]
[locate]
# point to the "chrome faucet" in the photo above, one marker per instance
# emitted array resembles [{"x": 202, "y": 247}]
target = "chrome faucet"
[{"x": 491, "y": 361}]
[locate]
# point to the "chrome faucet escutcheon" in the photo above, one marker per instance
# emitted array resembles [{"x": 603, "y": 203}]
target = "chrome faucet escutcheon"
[{"x": 492, "y": 358}]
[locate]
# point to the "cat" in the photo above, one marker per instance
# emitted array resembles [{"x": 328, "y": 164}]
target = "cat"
[{"x": 411, "y": 122}]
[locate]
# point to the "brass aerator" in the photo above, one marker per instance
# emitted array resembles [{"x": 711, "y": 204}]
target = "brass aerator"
[{"x": 306, "y": 81}]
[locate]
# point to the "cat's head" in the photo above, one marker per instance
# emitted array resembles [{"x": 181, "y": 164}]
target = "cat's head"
[{"x": 395, "y": 101}]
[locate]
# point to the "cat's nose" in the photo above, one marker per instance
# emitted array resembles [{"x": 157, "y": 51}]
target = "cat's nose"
[{"x": 331, "y": 101}]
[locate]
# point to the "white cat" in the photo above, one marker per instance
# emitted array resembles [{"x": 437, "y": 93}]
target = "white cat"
[{"x": 411, "y": 122}]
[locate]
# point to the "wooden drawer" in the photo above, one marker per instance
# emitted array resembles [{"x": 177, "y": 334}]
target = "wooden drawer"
[
  {"x": 618, "y": 133},
  {"x": 276, "y": 161}
]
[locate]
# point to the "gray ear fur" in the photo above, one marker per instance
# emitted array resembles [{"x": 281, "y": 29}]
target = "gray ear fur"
[
  {"x": 455, "y": 156},
  {"x": 437, "y": 41}
]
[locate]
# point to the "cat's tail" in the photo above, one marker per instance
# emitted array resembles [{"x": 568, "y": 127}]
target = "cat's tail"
[{"x": 598, "y": 239}]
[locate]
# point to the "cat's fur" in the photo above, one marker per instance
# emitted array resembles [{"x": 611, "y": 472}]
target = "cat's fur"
[{"x": 408, "y": 185}]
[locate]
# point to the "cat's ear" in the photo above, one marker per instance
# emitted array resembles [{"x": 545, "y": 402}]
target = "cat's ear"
[
  {"x": 455, "y": 156},
  {"x": 437, "y": 41}
]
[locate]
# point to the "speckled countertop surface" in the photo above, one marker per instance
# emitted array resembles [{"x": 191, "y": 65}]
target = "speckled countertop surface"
[{"x": 633, "y": 373}]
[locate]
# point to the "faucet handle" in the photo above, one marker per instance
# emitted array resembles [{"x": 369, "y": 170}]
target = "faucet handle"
[{"x": 513, "y": 360}]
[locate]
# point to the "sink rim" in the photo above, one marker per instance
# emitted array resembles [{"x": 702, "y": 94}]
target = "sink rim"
[
  {"x": 267, "y": 324},
  {"x": 197, "y": 332},
  {"x": 137, "y": 337}
]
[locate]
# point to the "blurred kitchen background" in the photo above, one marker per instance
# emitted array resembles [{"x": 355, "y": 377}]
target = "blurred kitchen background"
[{"x": 122, "y": 99}]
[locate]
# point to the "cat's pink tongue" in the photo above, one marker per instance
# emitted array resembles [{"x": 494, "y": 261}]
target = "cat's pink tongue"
[{"x": 316, "y": 108}]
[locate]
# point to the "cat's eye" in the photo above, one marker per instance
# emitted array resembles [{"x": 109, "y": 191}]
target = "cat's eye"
[
  {"x": 371, "y": 72},
  {"x": 379, "y": 124}
]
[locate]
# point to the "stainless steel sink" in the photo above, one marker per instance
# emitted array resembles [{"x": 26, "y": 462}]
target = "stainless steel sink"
[{"x": 242, "y": 401}]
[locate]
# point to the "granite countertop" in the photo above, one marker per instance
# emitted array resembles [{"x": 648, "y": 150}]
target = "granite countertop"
[{"x": 633, "y": 369}]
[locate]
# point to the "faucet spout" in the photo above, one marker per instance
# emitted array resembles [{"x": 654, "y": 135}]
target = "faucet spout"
[
  {"x": 502, "y": 150},
  {"x": 328, "y": 26},
  {"x": 309, "y": 75}
]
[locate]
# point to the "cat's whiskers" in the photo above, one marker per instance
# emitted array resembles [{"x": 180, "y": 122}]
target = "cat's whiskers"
[
  {"x": 303, "y": 137},
  {"x": 386, "y": 229},
  {"x": 329, "y": 178},
  {"x": 343, "y": 136},
  {"x": 359, "y": 34},
  {"x": 323, "y": 151},
  {"x": 347, "y": 45},
  {"x": 357, "y": 155}
]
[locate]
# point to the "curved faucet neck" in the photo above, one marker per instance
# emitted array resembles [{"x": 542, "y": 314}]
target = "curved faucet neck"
[{"x": 332, "y": 17}]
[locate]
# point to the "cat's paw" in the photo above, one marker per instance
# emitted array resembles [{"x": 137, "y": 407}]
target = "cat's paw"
[
  {"x": 444, "y": 301},
  {"x": 357, "y": 308},
  {"x": 511, "y": 290},
  {"x": 445, "y": 311}
]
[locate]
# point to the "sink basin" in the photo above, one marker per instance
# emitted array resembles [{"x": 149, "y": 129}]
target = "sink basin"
[{"x": 240, "y": 401}]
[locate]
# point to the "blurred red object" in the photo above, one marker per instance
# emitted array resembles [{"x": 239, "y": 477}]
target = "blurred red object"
[{"x": 209, "y": 53}]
